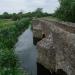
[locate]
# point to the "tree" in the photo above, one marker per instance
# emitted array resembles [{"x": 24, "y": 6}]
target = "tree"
[
  {"x": 38, "y": 12},
  {"x": 6, "y": 15},
  {"x": 20, "y": 15},
  {"x": 66, "y": 11},
  {"x": 15, "y": 17}
]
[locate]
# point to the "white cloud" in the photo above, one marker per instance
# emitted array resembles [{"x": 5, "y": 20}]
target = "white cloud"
[{"x": 27, "y": 5}]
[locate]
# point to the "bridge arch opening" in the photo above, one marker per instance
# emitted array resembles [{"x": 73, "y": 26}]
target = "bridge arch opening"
[
  {"x": 41, "y": 70},
  {"x": 60, "y": 72}
]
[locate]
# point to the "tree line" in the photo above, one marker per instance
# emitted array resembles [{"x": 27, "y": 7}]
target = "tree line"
[
  {"x": 66, "y": 11},
  {"x": 15, "y": 16}
]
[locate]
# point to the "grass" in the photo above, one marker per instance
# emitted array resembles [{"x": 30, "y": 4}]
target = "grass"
[
  {"x": 9, "y": 32},
  {"x": 6, "y": 23}
]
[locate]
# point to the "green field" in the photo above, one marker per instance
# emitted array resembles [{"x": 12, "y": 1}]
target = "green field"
[{"x": 6, "y": 23}]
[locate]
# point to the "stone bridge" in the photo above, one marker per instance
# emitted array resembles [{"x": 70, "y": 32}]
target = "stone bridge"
[{"x": 56, "y": 44}]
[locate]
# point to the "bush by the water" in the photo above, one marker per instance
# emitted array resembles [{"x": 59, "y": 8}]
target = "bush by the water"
[{"x": 8, "y": 37}]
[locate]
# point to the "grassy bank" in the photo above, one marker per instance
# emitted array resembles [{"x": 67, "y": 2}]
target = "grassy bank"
[{"x": 9, "y": 32}]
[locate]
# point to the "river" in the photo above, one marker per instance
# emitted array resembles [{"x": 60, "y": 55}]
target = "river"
[{"x": 27, "y": 52}]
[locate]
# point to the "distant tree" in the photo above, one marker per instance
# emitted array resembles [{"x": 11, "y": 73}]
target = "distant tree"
[
  {"x": 66, "y": 11},
  {"x": 6, "y": 15},
  {"x": 1, "y": 16},
  {"x": 29, "y": 15},
  {"x": 38, "y": 12},
  {"x": 15, "y": 17},
  {"x": 20, "y": 15}
]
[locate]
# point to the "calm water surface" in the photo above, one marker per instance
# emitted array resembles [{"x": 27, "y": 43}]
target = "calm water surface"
[{"x": 27, "y": 52}]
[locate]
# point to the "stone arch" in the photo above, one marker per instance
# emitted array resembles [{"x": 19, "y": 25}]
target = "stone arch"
[
  {"x": 60, "y": 72},
  {"x": 41, "y": 70}
]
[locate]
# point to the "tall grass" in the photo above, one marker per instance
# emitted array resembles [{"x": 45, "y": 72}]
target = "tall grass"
[{"x": 9, "y": 31}]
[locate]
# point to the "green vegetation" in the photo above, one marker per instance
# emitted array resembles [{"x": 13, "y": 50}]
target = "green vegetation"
[
  {"x": 17, "y": 16},
  {"x": 6, "y": 23},
  {"x": 66, "y": 11},
  {"x": 11, "y": 26},
  {"x": 9, "y": 31}
]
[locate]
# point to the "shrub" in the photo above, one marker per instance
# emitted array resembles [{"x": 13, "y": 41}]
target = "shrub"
[{"x": 7, "y": 58}]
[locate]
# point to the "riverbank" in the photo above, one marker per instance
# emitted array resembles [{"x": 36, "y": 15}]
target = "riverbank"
[{"x": 9, "y": 31}]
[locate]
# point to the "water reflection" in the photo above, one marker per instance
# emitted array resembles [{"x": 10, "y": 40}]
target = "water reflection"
[{"x": 26, "y": 52}]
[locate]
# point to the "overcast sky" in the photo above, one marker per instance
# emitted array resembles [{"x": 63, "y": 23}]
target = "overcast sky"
[{"x": 28, "y": 5}]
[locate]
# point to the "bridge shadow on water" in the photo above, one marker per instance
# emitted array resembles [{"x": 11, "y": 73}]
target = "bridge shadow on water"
[{"x": 41, "y": 70}]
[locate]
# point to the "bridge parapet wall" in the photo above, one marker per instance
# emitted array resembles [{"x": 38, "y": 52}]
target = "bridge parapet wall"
[{"x": 56, "y": 50}]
